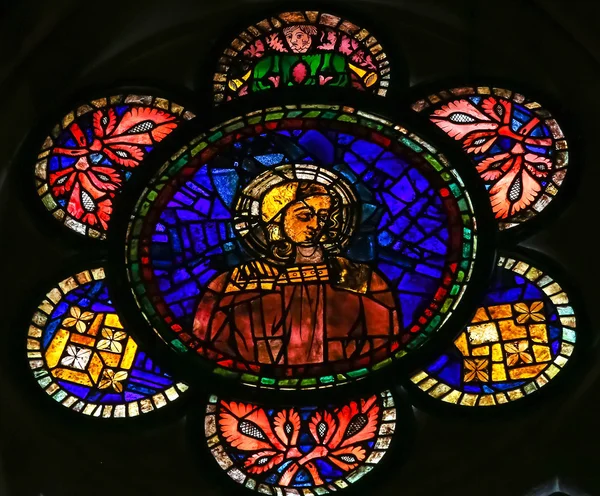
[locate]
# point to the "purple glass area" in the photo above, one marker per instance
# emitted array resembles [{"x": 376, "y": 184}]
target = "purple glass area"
[{"x": 403, "y": 226}]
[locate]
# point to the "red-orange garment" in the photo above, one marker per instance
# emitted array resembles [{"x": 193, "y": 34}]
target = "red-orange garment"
[{"x": 306, "y": 315}]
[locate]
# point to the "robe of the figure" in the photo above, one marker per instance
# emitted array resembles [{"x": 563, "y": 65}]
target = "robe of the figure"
[{"x": 339, "y": 311}]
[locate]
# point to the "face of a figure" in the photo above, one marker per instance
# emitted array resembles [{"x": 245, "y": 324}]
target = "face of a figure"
[
  {"x": 304, "y": 220},
  {"x": 298, "y": 40}
]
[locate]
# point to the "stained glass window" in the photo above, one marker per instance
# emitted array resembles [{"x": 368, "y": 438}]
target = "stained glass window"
[
  {"x": 87, "y": 156},
  {"x": 302, "y": 247},
  {"x": 519, "y": 149},
  {"x": 301, "y": 449},
  {"x": 521, "y": 337},
  {"x": 301, "y": 48},
  {"x": 81, "y": 356}
]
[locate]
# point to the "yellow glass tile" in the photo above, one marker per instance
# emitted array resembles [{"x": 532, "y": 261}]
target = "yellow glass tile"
[
  {"x": 39, "y": 318},
  {"x": 483, "y": 333},
  {"x": 176, "y": 109},
  {"x": 83, "y": 109},
  {"x": 515, "y": 394},
  {"x": 497, "y": 355},
  {"x": 481, "y": 351},
  {"x": 498, "y": 372},
  {"x": 461, "y": 343},
  {"x": 533, "y": 274},
  {"x": 112, "y": 320},
  {"x": 146, "y": 405},
  {"x": 162, "y": 103},
  {"x": 552, "y": 289},
  {"x": 72, "y": 376},
  {"x": 568, "y": 321},
  {"x": 500, "y": 311},
  {"x": 560, "y": 299},
  {"x": 452, "y": 397},
  {"x": 487, "y": 400},
  {"x": 84, "y": 277},
  {"x": 107, "y": 411},
  {"x": 133, "y": 409},
  {"x": 96, "y": 323},
  {"x": 290, "y": 17},
  {"x": 56, "y": 347},
  {"x": 511, "y": 330},
  {"x": 521, "y": 268},
  {"x": 418, "y": 377},
  {"x": 129, "y": 354},
  {"x": 480, "y": 316},
  {"x": 541, "y": 381},
  {"x": 95, "y": 367},
  {"x": 541, "y": 353},
  {"x": 552, "y": 371},
  {"x": 469, "y": 399},
  {"x": 110, "y": 359},
  {"x": 69, "y": 401},
  {"x": 89, "y": 409},
  {"x": 312, "y": 15},
  {"x": 172, "y": 394},
  {"x": 101, "y": 102},
  {"x": 428, "y": 384},
  {"x": 566, "y": 349},
  {"x": 439, "y": 390},
  {"x": 561, "y": 361},
  {"x": 67, "y": 119},
  {"x": 54, "y": 295},
  {"x": 98, "y": 274},
  {"x": 68, "y": 284},
  {"x": 46, "y": 307},
  {"x": 501, "y": 398},
  {"x": 83, "y": 339},
  {"x": 527, "y": 372},
  {"x": 33, "y": 344},
  {"x": 538, "y": 333},
  {"x": 159, "y": 400}
]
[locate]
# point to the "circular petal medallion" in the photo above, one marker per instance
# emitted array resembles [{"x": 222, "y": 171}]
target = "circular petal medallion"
[
  {"x": 81, "y": 355},
  {"x": 93, "y": 150},
  {"x": 520, "y": 338},
  {"x": 306, "y": 450},
  {"x": 519, "y": 149},
  {"x": 302, "y": 247},
  {"x": 301, "y": 49}
]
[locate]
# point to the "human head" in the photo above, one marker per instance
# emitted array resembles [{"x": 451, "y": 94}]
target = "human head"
[
  {"x": 297, "y": 213},
  {"x": 299, "y": 37}
]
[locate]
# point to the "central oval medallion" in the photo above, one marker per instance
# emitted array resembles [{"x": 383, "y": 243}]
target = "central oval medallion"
[{"x": 302, "y": 247}]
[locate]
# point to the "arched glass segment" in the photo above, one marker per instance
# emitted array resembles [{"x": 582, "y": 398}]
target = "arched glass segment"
[
  {"x": 519, "y": 149},
  {"x": 83, "y": 358},
  {"x": 301, "y": 48},
  {"x": 521, "y": 337},
  {"x": 302, "y": 247},
  {"x": 305, "y": 450},
  {"x": 90, "y": 153}
]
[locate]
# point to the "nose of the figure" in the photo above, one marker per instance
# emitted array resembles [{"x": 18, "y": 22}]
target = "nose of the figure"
[{"x": 313, "y": 223}]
